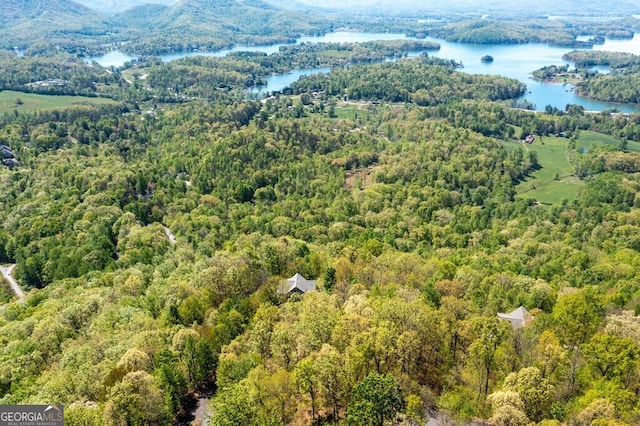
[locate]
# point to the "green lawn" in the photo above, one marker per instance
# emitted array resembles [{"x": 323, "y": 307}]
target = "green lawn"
[
  {"x": 32, "y": 102},
  {"x": 552, "y": 157},
  {"x": 589, "y": 139},
  {"x": 541, "y": 185},
  {"x": 346, "y": 113}
]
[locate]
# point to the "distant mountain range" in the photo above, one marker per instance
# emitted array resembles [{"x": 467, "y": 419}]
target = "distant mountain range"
[
  {"x": 184, "y": 24},
  {"x": 25, "y": 21},
  {"x": 118, "y": 6},
  {"x": 550, "y": 7},
  {"x": 16, "y": 12},
  {"x": 401, "y": 6},
  {"x": 222, "y": 18}
]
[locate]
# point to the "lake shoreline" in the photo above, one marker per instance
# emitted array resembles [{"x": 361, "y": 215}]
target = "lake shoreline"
[{"x": 509, "y": 61}]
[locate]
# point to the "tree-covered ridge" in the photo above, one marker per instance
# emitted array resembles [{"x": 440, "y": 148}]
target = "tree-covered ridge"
[
  {"x": 612, "y": 88},
  {"x": 562, "y": 31},
  {"x": 211, "y": 25},
  {"x": 421, "y": 81},
  {"x": 70, "y": 14},
  {"x": 119, "y": 6},
  {"x": 487, "y": 31},
  {"x": 590, "y": 58}
]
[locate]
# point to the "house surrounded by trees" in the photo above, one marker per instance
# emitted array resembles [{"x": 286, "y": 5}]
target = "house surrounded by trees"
[
  {"x": 518, "y": 318},
  {"x": 297, "y": 284}
]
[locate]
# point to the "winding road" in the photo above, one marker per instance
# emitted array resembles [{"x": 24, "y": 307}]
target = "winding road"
[{"x": 6, "y": 273}]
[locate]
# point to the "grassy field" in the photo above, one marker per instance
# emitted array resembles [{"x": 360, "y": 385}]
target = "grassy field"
[
  {"x": 32, "y": 102},
  {"x": 346, "y": 113},
  {"x": 590, "y": 139},
  {"x": 553, "y": 181}
]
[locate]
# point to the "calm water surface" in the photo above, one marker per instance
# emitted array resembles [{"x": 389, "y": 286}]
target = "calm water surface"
[
  {"x": 114, "y": 58},
  {"x": 280, "y": 81},
  {"x": 519, "y": 60},
  {"x": 516, "y": 61}
]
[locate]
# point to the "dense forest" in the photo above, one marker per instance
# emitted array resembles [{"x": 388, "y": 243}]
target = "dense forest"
[
  {"x": 153, "y": 245},
  {"x": 424, "y": 82},
  {"x": 154, "y": 233},
  {"x": 590, "y": 58}
]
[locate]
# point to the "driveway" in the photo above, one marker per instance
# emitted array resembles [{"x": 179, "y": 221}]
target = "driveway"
[{"x": 6, "y": 273}]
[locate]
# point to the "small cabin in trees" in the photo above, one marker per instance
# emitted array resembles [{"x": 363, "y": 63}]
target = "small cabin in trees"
[
  {"x": 297, "y": 284},
  {"x": 6, "y": 152},
  {"x": 10, "y": 162},
  {"x": 530, "y": 139},
  {"x": 518, "y": 318}
]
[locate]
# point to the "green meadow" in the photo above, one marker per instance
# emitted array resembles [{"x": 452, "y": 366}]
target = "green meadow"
[
  {"x": 29, "y": 102},
  {"x": 590, "y": 140},
  {"x": 553, "y": 182}
]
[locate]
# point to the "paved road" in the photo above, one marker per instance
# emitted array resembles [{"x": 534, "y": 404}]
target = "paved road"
[
  {"x": 200, "y": 412},
  {"x": 6, "y": 273}
]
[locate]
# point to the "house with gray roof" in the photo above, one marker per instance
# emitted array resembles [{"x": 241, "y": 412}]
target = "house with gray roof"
[
  {"x": 518, "y": 318},
  {"x": 297, "y": 284}
]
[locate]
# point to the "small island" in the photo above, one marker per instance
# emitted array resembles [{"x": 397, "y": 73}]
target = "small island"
[{"x": 487, "y": 59}]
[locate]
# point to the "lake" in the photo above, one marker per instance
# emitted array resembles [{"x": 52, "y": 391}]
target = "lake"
[
  {"x": 115, "y": 58},
  {"x": 519, "y": 60},
  {"x": 510, "y": 60},
  {"x": 280, "y": 81}
]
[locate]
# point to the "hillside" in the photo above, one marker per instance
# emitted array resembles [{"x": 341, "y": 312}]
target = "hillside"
[
  {"x": 475, "y": 7},
  {"x": 252, "y": 17},
  {"x": 196, "y": 13},
  {"x": 144, "y": 17},
  {"x": 212, "y": 25},
  {"x": 119, "y": 6},
  {"x": 44, "y": 26},
  {"x": 24, "y": 21},
  {"x": 14, "y": 12}
]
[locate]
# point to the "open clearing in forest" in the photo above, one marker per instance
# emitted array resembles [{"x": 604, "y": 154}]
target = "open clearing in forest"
[
  {"x": 554, "y": 180},
  {"x": 33, "y": 102},
  {"x": 589, "y": 140}
]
